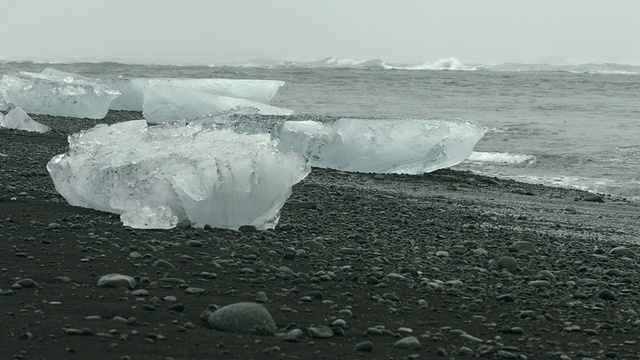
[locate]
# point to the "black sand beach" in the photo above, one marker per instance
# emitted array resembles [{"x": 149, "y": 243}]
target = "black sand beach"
[{"x": 468, "y": 266}]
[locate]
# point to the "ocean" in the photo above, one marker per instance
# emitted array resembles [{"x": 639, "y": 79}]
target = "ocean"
[{"x": 575, "y": 126}]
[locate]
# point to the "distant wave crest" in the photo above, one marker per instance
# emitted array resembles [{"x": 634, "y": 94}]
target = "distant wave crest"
[{"x": 448, "y": 63}]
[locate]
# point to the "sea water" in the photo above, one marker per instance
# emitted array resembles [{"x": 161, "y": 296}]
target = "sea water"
[{"x": 572, "y": 126}]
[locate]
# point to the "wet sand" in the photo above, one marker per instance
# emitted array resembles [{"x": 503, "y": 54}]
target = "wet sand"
[{"x": 469, "y": 266}]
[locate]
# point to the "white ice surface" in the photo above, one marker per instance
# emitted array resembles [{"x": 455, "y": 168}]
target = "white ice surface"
[
  {"x": 157, "y": 176},
  {"x": 382, "y": 146},
  {"x": 58, "y": 93},
  {"x": 170, "y": 100},
  {"x": 18, "y": 119}
]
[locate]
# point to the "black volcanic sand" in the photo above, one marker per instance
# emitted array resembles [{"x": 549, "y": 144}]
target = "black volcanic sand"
[{"x": 391, "y": 255}]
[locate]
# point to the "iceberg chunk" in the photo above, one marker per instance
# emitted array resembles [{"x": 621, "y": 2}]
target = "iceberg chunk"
[
  {"x": 158, "y": 176},
  {"x": 130, "y": 90},
  {"x": 58, "y": 93},
  {"x": 170, "y": 100},
  {"x": 18, "y": 119},
  {"x": 382, "y": 146}
]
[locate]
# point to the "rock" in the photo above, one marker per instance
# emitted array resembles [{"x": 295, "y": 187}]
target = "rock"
[
  {"x": 194, "y": 290},
  {"x": 525, "y": 247},
  {"x": 607, "y": 295},
  {"x": 140, "y": 292},
  {"x": 364, "y": 346},
  {"x": 243, "y": 318},
  {"x": 25, "y": 283},
  {"x": 540, "y": 283},
  {"x": 622, "y": 251},
  {"x": 465, "y": 351},
  {"x": 546, "y": 274},
  {"x": 409, "y": 342},
  {"x": 508, "y": 262},
  {"x": 117, "y": 281},
  {"x": 593, "y": 198},
  {"x": 320, "y": 332},
  {"x": 261, "y": 297},
  {"x": 163, "y": 264}
]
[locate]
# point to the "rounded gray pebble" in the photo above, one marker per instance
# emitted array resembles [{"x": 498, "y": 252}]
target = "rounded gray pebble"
[{"x": 243, "y": 318}]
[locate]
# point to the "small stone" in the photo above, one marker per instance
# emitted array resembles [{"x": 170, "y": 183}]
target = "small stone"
[
  {"x": 525, "y": 247},
  {"x": 195, "y": 243},
  {"x": 243, "y": 318},
  {"x": 163, "y": 264},
  {"x": 194, "y": 290},
  {"x": 540, "y": 283},
  {"x": 26, "y": 283},
  {"x": 508, "y": 262},
  {"x": 140, "y": 292},
  {"x": 372, "y": 280},
  {"x": 320, "y": 332},
  {"x": 546, "y": 274},
  {"x": 347, "y": 251},
  {"x": 135, "y": 255},
  {"x": 465, "y": 351},
  {"x": 261, "y": 297},
  {"x": 409, "y": 342},
  {"x": 364, "y": 346},
  {"x": 117, "y": 281},
  {"x": 622, "y": 251},
  {"x": 503, "y": 354},
  {"x": 607, "y": 294},
  {"x": 593, "y": 198},
  {"x": 506, "y": 298}
]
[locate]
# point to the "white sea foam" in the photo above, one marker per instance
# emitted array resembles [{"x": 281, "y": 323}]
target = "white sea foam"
[{"x": 501, "y": 158}]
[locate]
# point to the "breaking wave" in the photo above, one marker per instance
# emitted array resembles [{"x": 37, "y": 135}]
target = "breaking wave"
[{"x": 502, "y": 158}]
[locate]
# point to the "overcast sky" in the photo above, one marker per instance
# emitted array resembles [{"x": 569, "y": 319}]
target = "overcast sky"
[{"x": 408, "y": 31}]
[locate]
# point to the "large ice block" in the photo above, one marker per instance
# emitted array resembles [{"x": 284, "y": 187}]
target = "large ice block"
[
  {"x": 19, "y": 120},
  {"x": 58, "y": 93},
  {"x": 382, "y": 146},
  {"x": 158, "y": 176},
  {"x": 170, "y": 100},
  {"x": 130, "y": 90}
]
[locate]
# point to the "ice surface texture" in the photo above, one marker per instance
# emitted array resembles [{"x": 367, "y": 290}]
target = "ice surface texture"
[
  {"x": 169, "y": 100},
  {"x": 364, "y": 145},
  {"x": 382, "y": 146},
  {"x": 58, "y": 93},
  {"x": 157, "y": 176},
  {"x": 18, "y": 119},
  {"x": 165, "y": 100}
]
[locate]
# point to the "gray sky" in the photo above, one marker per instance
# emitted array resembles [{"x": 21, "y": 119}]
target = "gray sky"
[{"x": 409, "y": 31}]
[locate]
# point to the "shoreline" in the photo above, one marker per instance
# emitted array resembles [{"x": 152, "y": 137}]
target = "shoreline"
[{"x": 468, "y": 265}]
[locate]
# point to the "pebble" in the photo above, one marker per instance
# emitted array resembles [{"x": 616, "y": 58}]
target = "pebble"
[
  {"x": 140, "y": 292},
  {"x": 194, "y": 290},
  {"x": 261, "y": 297},
  {"x": 465, "y": 351},
  {"x": 546, "y": 274},
  {"x": 508, "y": 262},
  {"x": 25, "y": 283},
  {"x": 622, "y": 251},
  {"x": 525, "y": 247},
  {"x": 593, "y": 198},
  {"x": 364, "y": 346},
  {"x": 409, "y": 342},
  {"x": 607, "y": 294},
  {"x": 347, "y": 251},
  {"x": 540, "y": 283},
  {"x": 117, "y": 281},
  {"x": 163, "y": 264},
  {"x": 243, "y": 318},
  {"x": 320, "y": 332}
]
